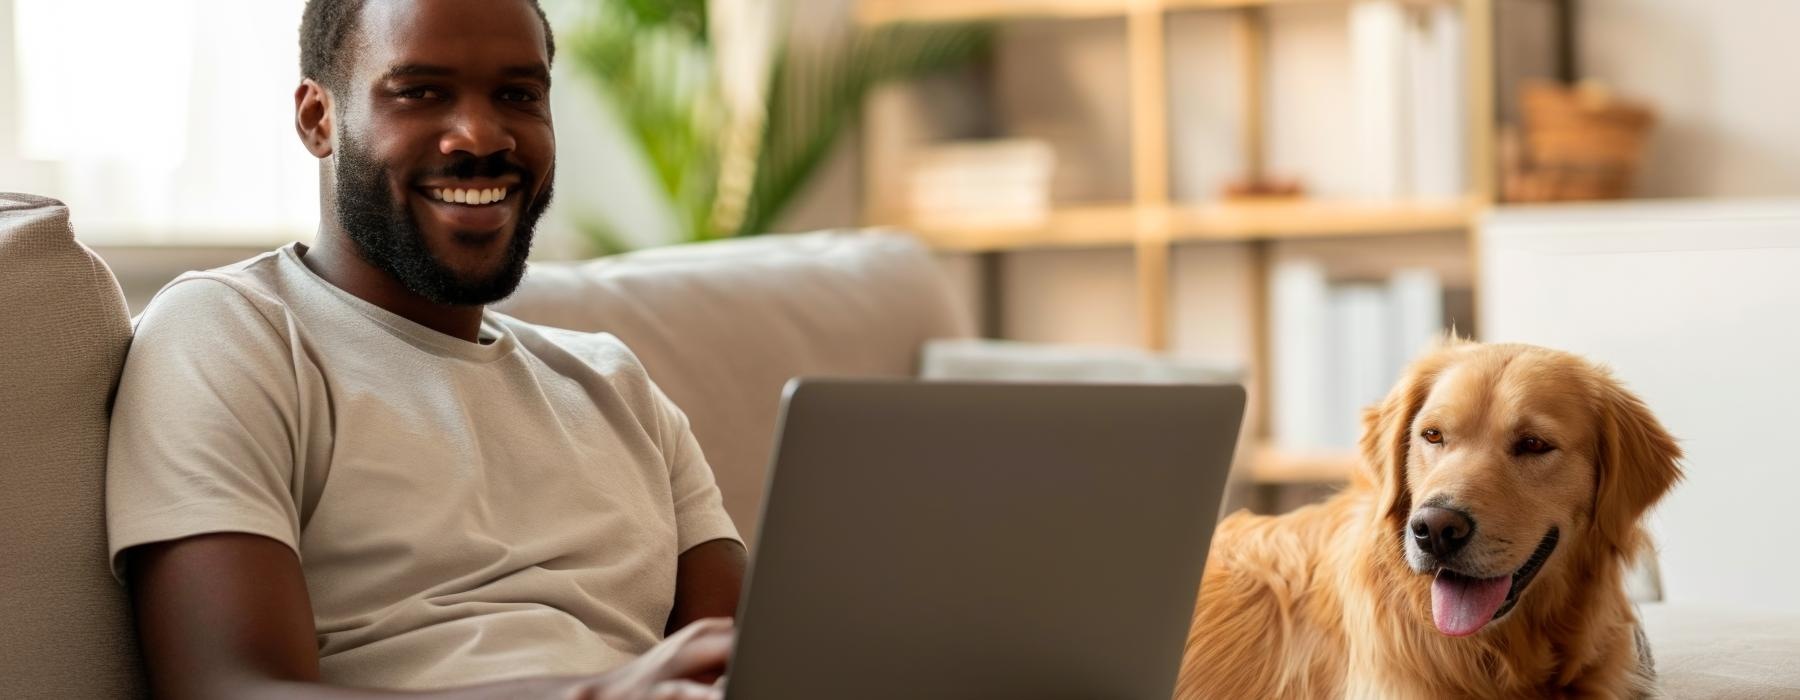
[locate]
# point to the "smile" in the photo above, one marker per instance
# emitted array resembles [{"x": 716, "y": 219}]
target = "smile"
[
  {"x": 471, "y": 210},
  {"x": 1526, "y": 573},
  {"x": 1462, "y": 604},
  {"x": 469, "y": 197}
]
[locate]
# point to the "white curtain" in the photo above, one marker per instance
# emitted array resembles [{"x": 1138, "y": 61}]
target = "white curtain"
[{"x": 163, "y": 122}]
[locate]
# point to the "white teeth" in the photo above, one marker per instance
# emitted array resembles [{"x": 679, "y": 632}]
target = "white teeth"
[{"x": 470, "y": 197}]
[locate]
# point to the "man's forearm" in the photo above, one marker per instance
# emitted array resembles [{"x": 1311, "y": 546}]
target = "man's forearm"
[
  {"x": 708, "y": 580},
  {"x": 298, "y": 690}
]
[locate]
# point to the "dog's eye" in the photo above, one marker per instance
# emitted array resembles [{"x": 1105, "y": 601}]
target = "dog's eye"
[
  {"x": 1532, "y": 445},
  {"x": 1432, "y": 436}
]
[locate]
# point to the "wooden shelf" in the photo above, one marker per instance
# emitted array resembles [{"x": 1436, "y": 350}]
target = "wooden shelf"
[
  {"x": 1273, "y": 465},
  {"x": 1114, "y": 225},
  {"x": 1098, "y": 226},
  {"x": 1150, "y": 222},
  {"x": 1273, "y": 220},
  {"x": 874, "y": 12}
]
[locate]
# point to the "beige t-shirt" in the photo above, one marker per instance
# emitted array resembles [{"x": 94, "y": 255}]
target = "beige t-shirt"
[{"x": 463, "y": 512}]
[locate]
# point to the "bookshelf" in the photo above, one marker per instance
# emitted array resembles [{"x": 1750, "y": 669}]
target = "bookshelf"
[
  {"x": 1274, "y": 465},
  {"x": 889, "y": 11},
  {"x": 1150, "y": 223},
  {"x": 1111, "y": 225}
]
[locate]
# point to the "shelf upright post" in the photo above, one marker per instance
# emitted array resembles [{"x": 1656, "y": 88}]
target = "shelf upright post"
[
  {"x": 1252, "y": 28},
  {"x": 1483, "y": 116},
  {"x": 1147, "y": 65}
]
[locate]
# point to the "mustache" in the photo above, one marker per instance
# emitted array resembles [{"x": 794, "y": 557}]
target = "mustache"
[{"x": 466, "y": 167}]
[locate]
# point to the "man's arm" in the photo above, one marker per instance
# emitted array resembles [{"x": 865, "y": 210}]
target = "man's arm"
[
  {"x": 228, "y": 616},
  {"x": 709, "y": 577}
]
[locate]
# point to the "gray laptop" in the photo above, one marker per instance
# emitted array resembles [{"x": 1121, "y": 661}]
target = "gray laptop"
[{"x": 992, "y": 541}]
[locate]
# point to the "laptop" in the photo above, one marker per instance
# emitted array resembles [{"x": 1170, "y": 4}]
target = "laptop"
[{"x": 982, "y": 540}]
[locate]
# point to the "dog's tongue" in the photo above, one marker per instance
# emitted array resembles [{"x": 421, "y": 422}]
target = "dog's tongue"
[{"x": 1461, "y": 605}]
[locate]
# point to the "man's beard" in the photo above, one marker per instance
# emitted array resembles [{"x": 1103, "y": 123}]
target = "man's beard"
[{"x": 387, "y": 234}]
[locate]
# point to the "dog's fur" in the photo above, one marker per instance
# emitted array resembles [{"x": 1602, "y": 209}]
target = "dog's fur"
[{"x": 1325, "y": 602}]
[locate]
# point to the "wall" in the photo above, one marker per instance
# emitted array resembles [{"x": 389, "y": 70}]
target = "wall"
[
  {"x": 1693, "y": 306},
  {"x": 1722, "y": 74}
]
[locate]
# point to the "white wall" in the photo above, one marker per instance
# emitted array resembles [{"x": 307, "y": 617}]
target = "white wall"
[
  {"x": 1696, "y": 307},
  {"x": 1722, "y": 73}
]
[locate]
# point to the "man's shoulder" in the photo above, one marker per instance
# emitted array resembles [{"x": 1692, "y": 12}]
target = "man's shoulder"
[
  {"x": 223, "y": 300},
  {"x": 598, "y": 349},
  {"x": 569, "y": 351}
]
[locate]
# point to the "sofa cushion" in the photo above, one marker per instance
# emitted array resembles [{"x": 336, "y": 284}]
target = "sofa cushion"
[
  {"x": 65, "y": 629},
  {"x": 722, "y": 326},
  {"x": 1704, "y": 653}
]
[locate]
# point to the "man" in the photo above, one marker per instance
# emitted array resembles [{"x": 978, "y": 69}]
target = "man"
[{"x": 333, "y": 471}]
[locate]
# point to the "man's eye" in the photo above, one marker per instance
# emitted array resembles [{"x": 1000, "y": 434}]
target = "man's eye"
[
  {"x": 1432, "y": 436},
  {"x": 419, "y": 93},
  {"x": 1532, "y": 445},
  {"x": 516, "y": 95}
]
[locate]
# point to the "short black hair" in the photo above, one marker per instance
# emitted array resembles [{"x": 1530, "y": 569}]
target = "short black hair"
[{"x": 328, "y": 24}]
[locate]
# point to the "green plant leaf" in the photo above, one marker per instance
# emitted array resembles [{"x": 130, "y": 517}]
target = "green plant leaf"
[
  {"x": 658, "y": 75},
  {"x": 689, "y": 15},
  {"x": 653, "y": 60}
]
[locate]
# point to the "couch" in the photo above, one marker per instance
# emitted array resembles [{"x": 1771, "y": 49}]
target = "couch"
[{"x": 721, "y": 326}]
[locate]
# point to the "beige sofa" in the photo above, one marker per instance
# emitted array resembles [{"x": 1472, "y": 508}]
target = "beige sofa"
[{"x": 721, "y": 326}]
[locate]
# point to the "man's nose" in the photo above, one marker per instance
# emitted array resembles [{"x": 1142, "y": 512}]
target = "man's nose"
[
  {"x": 1441, "y": 531},
  {"x": 478, "y": 131}
]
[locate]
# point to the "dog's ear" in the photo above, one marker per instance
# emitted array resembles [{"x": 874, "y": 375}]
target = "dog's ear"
[
  {"x": 1636, "y": 460},
  {"x": 1387, "y": 428}
]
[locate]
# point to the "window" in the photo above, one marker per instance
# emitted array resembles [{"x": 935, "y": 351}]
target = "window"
[{"x": 159, "y": 122}]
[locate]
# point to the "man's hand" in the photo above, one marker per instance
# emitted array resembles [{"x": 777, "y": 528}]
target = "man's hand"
[{"x": 668, "y": 671}]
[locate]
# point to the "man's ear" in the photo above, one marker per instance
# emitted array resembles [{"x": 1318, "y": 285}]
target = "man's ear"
[
  {"x": 313, "y": 117},
  {"x": 1637, "y": 463}
]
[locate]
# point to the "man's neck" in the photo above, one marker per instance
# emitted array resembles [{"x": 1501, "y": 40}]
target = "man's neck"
[{"x": 332, "y": 259}]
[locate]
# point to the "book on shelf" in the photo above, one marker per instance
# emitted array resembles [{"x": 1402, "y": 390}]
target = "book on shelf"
[
  {"x": 1298, "y": 350},
  {"x": 1407, "y": 86},
  {"x": 1362, "y": 341},
  {"x": 998, "y": 183},
  {"x": 1377, "y": 82},
  {"x": 1439, "y": 128},
  {"x": 1337, "y": 347}
]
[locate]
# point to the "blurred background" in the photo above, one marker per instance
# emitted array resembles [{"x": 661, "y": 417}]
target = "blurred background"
[{"x": 1296, "y": 194}]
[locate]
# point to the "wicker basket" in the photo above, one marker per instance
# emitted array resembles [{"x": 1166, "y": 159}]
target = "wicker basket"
[{"x": 1578, "y": 144}]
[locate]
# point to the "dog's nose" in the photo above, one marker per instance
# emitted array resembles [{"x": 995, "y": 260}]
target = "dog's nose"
[{"x": 1441, "y": 531}]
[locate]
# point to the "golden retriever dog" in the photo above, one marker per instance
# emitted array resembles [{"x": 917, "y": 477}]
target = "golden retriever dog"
[{"x": 1479, "y": 553}]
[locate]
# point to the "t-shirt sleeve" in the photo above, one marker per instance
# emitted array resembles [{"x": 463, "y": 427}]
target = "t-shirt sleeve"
[
  {"x": 700, "y": 515},
  {"x": 202, "y": 423}
]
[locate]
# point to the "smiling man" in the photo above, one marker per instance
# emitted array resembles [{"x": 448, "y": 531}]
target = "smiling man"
[{"x": 334, "y": 473}]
